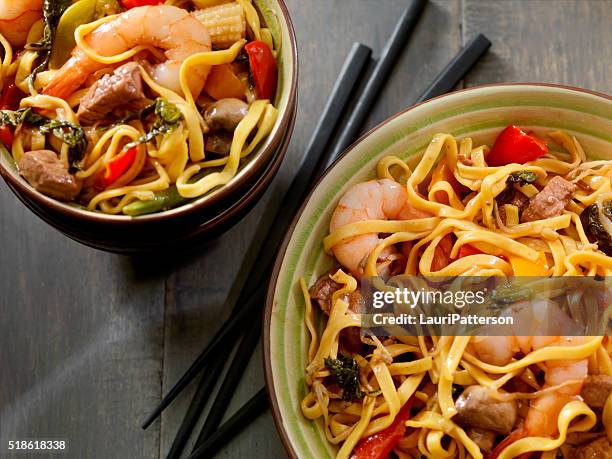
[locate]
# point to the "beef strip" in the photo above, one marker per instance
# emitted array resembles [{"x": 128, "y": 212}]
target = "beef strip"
[
  {"x": 485, "y": 439},
  {"x": 322, "y": 290},
  {"x": 350, "y": 340},
  {"x": 597, "y": 449},
  {"x": 596, "y": 389},
  {"x": 122, "y": 89},
  {"x": 551, "y": 201},
  {"x": 519, "y": 200},
  {"x": 477, "y": 407},
  {"x": 356, "y": 302},
  {"x": 46, "y": 173},
  {"x": 321, "y": 293}
]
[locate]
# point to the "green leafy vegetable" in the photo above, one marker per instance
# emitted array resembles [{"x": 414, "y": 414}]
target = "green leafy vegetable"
[
  {"x": 521, "y": 178},
  {"x": 591, "y": 219},
  {"x": 52, "y": 12},
  {"x": 167, "y": 118},
  {"x": 345, "y": 371},
  {"x": 71, "y": 134},
  {"x": 19, "y": 117}
]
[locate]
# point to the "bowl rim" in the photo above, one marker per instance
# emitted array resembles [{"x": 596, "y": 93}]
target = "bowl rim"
[
  {"x": 280, "y": 256},
  {"x": 257, "y": 164},
  {"x": 228, "y": 216}
]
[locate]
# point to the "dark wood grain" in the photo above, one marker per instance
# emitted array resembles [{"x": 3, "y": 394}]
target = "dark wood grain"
[
  {"x": 561, "y": 41},
  {"x": 89, "y": 341},
  {"x": 81, "y": 341}
]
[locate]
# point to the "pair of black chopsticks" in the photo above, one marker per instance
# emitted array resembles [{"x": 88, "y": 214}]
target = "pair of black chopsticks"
[{"x": 246, "y": 313}]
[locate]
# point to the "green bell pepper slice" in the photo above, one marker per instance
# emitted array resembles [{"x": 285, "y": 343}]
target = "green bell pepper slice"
[{"x": 79, "y": 13}]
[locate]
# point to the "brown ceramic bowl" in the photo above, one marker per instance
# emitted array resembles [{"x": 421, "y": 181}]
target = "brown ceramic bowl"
[
  {"x": 480, "y": 113},
  {"x": 202, "y": 218}
]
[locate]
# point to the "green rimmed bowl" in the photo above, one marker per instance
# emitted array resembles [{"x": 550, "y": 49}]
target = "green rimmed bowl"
[
  {"x": 480, "y": 113},
  {"x": 200, "y": 219}
]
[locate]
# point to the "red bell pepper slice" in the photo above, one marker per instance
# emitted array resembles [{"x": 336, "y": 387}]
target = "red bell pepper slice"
[
  {"x": 6, "y": 136},
  {"x": 443, "y": 172},
  {"x": 117, "y": 167},
  {"x": 513, "y": 145},
  {"x": 11, "y": 97},
  {"x": 9, "y": 100},
  {"x": 263, "y": 69},
  {"x": 129, "y": 4},
  {"x": 466, "y": 250},
  {"x": 379, "y": 445}
]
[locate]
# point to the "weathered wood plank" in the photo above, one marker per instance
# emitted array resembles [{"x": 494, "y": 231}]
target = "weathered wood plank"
[
  {"x": 565, "y": 42},
  {"x": 81, "y": 334}
]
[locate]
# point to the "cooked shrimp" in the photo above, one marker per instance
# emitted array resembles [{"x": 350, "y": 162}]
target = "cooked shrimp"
[
  {"x": 543, "y": 411},
  {"x": 495, "y": 350},
  {"x": 166, "y": 27},
  {"x": 17, "y": 17},
  {"x": 373, "y": 200}
]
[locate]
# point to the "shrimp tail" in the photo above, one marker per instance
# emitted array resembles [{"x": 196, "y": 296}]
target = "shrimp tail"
[{"x": 68, "y": 79}]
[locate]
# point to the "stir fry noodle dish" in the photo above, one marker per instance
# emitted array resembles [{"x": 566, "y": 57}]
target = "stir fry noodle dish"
[
  {"x": 526, "y": 206},
  {"x": 135, "y": 106}
]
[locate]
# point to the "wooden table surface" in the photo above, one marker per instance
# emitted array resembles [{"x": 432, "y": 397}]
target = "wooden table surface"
[{"x": 89, "y": 341}]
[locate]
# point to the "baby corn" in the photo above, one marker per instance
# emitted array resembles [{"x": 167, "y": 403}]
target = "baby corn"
[{"x": 226, "y": 23}]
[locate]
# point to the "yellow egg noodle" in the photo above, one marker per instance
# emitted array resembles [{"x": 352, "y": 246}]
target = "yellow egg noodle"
[
  {"x": 429, "y": 370},
  {"x": 175, "y": 158}
]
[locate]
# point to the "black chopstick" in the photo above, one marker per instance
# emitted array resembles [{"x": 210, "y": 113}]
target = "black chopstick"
[
  {"x": 445, "y": 81},
  {"x": 343, "y": 88},
  {"x": 457, "y": 68},
  {"x": 230, "y": 382},
  {"x": 230, "y": 330},
  {"x": 243, "y": 417},
  {"x": 214, "y": 367},
  {"x": 205, "y": 387},
  {"x": 388, "y": 57}
]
